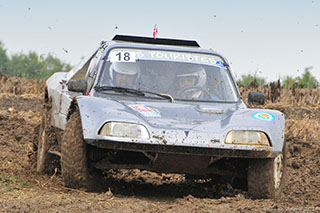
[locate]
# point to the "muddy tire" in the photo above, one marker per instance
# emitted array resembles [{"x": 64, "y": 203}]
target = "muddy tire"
[
  {"x": 46, "y": 140},
  {"x": 74, "y": 160},
  {"x": 266, "y": 177}
]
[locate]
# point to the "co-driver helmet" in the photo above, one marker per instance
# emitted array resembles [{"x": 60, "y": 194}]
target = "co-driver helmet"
[{"x": 197, "y": 72}]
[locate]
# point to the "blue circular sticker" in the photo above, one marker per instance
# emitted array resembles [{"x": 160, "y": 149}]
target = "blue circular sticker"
[{"x": 263, "y": 116}]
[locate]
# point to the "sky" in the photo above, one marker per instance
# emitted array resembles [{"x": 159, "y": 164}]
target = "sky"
[{"x": 271, "y": 39}]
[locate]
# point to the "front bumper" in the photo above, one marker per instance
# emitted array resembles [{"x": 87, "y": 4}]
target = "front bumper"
[{"x": 257, "y": 152}]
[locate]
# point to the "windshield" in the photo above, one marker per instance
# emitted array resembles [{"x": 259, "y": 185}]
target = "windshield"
[{"x": 184, "y": 76}]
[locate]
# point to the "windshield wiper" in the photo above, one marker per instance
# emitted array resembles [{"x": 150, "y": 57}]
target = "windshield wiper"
[
  {"x": 119, "y": 89},
  {"x": 133, "y": 91}
]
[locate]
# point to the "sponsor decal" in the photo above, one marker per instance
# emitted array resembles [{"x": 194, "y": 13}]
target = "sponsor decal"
[
  {"x": 220, "y": 64},
  {"x": 131, "y": 55},
  {"x": 145, "y": 111},
  {"x": 263, "y": 116}
]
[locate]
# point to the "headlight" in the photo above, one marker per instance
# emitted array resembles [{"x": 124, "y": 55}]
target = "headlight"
[
  {"x": 126, "y": 130},
  {"x": 245, "y": 137}
]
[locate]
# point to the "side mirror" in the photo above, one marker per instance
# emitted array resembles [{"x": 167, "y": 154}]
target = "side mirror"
[
  {"x": 256, "y": 97},
  {"x": 77, "y": 85}
]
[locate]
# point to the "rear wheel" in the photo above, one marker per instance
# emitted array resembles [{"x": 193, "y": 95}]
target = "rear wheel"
[
  {"x": 74, "y": 160},
  {"x": 266, "y": 177}
]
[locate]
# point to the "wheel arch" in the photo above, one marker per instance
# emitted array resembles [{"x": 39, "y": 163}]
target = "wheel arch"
[
  {"x": 72, "y": 108},
  {"x": 46, "y": 95}
]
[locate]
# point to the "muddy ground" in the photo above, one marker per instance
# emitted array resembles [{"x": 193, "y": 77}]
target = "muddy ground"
[{"x": 22, "y": 190}]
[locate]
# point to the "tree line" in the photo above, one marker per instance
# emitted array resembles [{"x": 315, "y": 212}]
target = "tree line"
[
  {"x": 306, "y": 80},
  {"x": 30, "y": 65}
]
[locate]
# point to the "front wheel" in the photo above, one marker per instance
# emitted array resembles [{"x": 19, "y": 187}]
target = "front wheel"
[
  {"x": 74, "y": 160},
  {"x": 266, "y": 177}
]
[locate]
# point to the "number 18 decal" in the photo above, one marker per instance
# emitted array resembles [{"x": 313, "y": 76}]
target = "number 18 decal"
[{"x": 123, "y": 56}]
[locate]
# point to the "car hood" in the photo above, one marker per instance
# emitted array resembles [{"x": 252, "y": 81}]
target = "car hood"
[
  {"x": 177, "y": 115},
  {"x": 156, "y": 114}
]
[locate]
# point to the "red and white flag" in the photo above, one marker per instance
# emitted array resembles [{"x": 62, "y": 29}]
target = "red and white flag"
[{"x": 155, "y": 31}]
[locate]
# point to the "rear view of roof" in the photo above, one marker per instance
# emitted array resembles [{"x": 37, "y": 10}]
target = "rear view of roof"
[{"x": 158, "y": 41}]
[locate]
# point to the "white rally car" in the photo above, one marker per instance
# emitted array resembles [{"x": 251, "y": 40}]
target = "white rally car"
[{"x": 163, "y": 105}]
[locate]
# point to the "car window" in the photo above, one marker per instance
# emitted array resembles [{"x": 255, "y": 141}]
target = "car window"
[{"x": 182, "y": 75}]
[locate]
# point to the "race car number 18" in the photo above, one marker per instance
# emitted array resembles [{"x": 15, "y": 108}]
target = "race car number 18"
[{"x": 123, "y": 57}]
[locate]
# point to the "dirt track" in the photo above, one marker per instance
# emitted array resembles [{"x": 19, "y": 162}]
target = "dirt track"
[{"x": 22, "y": 190}]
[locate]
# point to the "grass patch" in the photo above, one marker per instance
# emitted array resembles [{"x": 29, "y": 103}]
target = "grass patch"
[{"x": 9, "y": 183}]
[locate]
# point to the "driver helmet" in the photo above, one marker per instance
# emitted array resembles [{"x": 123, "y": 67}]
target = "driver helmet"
[
  {"x": 127, "y": 68},
  {"x": 198, "y": 73}
]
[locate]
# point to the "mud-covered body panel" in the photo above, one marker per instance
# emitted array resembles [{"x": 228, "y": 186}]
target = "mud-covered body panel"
[{"x": 171, "y": 127}]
